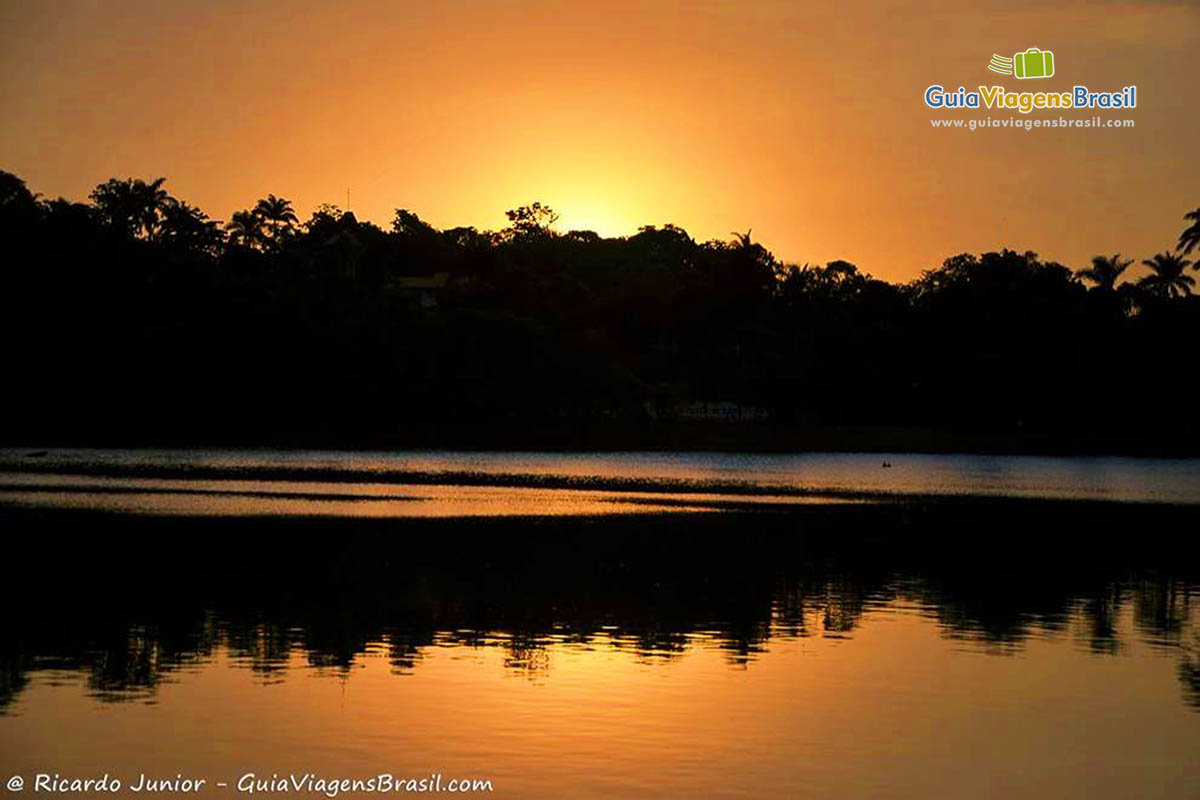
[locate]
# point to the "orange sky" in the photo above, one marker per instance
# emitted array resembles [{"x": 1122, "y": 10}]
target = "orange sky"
[{"x": 803, "y": 121}]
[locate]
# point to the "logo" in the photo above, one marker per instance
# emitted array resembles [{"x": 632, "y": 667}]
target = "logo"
[{"x": 1033, "y": 63}]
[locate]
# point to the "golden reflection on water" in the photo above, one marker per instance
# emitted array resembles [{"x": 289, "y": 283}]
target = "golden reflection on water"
[
  {"x": 895, "y": 709},
  {"x": 1077, "y": 478},
  {"x": 305, "y": 498},
  {"x": 998, "y": 649}
]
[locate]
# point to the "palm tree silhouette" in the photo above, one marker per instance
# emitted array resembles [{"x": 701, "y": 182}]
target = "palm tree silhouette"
[
  {"x": 153, "y": 199},
  {"x": 1191, "y": 235},
  {"x": 278, "y": 215},
  {"x": 132, "y": 205},
  {"x": 246, "y": 229},
  {"x": 189, "y": 228},
  {"x": 1167, "y": 279},
  {"x": 1106, "y": 271}
]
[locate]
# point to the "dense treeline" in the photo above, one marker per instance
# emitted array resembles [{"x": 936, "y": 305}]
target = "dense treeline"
[{"x": 137, "y": 318}]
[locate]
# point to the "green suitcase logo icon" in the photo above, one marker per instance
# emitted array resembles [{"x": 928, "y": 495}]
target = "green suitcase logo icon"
[{"x": 1033, "y": 63}]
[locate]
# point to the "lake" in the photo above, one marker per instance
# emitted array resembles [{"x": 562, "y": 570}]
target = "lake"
[
  {"x": 440, "y": 484},
  {"x": 599, "y": 625}
]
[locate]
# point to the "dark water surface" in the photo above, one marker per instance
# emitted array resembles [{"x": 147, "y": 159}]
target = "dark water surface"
[{"x": 959, "y": 641}]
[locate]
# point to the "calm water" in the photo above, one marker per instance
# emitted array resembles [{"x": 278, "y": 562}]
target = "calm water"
[
  {"x": 1000, "y": 640},
  {"x": 490, "y": 484}
]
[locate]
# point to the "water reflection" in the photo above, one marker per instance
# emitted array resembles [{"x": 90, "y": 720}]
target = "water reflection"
[
  {"x": 128, "y": 605},
  {"x": 368, "y": 477}
]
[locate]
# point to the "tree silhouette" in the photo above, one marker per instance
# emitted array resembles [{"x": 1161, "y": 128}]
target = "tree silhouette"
[
  {"x": 1105, "y": 271},
  {"x": 531, "y": 221},
  {"x": 246, "y": 229},
  {"x": 131, "y": 205},
  {"x": 1167, "y": 279},
  {"x": 743, "y": 240},
  {"x": 1191, "y": 235},
  {"x": 279, "y": 219},
  {"x": 324, "y": 217},
  {"x": 751, "y": 270},
  {"x": 188, "y": 228},
  {"x": 13, "y": 192},
  {"x": 466, "y": 328},
  {"x": 406, "y": 223},
  {"x": 18, "y": 206}
]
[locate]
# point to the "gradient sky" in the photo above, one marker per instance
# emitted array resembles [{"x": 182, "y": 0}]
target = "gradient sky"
[{"x": 803, "y": 121}]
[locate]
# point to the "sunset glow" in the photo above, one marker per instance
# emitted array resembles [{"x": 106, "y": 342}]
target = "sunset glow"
[
  {"x": 726, "y": 399},
  {"x": 800, "y": 121}
]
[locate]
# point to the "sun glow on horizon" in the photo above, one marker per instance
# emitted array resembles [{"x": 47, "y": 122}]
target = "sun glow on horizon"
[
  {"x": 604, "y": 220},
  {"x": 717, "y": 117}
]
